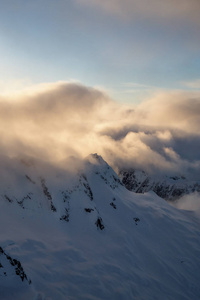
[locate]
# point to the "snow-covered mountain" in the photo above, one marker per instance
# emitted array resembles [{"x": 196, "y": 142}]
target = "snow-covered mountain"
[
  {"x": 80, "y": 234},
  {"x": 166, "y": 187}
]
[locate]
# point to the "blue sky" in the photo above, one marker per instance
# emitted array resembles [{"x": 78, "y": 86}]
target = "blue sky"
[{"x": 129, "y": 48}]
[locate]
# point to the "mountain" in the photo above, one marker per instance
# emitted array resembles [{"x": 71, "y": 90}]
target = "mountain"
[
  {"x": 78, "y": 233},
  {"x": 167, "y": 187}
]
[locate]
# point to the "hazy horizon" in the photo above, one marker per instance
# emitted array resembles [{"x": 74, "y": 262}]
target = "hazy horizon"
[{"x": 131, "y": 49}]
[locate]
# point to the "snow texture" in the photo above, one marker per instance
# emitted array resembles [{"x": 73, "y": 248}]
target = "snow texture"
[{"x": 83, "y": 235}]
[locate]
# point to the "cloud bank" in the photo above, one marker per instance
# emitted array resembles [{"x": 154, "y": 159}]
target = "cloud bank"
[{"x": 58, "y": 120}]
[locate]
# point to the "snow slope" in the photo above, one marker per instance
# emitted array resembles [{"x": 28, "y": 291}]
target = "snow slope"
[{"x": 83, "y": 235}]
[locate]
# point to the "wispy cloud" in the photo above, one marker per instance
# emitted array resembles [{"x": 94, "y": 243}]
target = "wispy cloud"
[
  {"x": 152, "y": 9},
  {"x": 195, "y": 84},
  {"x": 136, "y": 88},
  {"x": 189, "y": 202},
  {"x": 137, "y": 85}
]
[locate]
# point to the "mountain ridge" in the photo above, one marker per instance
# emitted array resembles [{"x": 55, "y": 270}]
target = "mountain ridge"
[
  {"x": 83, "y": 235},
  {"x": 167, "y": 187}
]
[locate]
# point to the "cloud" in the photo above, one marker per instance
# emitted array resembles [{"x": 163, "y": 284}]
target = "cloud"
[
  {"x": 189, "y": 202},
  {"x": 52, "y": 120},
  {"x": 195, "y": 84},
  {"x": 187, "y": 10},
  {"x": 58, "y": 120},
  {"x": 136, "y": 85}
]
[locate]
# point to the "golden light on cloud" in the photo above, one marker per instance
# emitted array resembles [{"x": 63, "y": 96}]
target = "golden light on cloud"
[{"x": 54, "y": 121}]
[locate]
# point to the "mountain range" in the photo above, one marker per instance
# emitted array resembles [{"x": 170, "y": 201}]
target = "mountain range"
[
  {"x": 74, "y": 231},
  {"x": 167, "y": 187}
]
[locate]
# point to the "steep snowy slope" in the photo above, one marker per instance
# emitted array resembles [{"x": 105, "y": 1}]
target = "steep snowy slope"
[
  {"x": 82, "y": 235},
  {"x": 166, "y": 187}
]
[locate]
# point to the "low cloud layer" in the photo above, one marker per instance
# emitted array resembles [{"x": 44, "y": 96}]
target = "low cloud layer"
[
  {"x": 189, "y": 202},
  {"x": 62, "y": 119}
]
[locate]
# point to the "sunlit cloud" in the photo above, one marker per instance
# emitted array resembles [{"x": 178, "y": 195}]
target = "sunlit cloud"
[
  {"x": 13, "y": 86},
  {"x": 57, "y": 120},
  {"x": 189, "y": 202},
  {"x": 139, "y": 90}
]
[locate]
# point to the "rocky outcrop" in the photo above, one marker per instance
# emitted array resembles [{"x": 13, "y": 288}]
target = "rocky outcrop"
[{"x": 167, "y": 187}]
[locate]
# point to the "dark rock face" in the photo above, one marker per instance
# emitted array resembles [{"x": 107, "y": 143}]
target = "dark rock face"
[
  {"x": 65, "y": 217},
  {"x": 168, "y": 188},
  {"x": 136, "y": 220},
  {"x": 16, "y": 264},
  {"x": 99, "y": 223},
  {"x": 113, "y": 205},
  {"x": 89, "y": 210},
  {"x": 47, "y": 194}
]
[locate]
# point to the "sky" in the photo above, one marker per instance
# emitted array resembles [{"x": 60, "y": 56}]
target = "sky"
[
  {"x": 120, "y": 78},
  {"x": 130, "y": 49}
]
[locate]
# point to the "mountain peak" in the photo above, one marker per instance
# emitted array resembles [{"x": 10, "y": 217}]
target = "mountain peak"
[
  {"x": 96, "y": 159},
  {"x": 167, "y": 187},
  {"x": 85, "y": 229}
]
